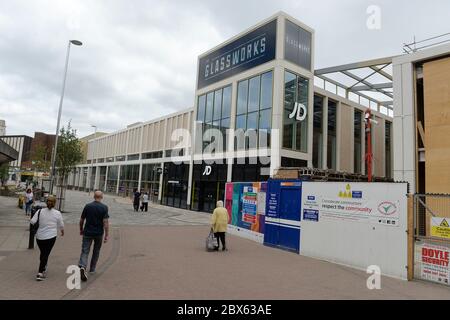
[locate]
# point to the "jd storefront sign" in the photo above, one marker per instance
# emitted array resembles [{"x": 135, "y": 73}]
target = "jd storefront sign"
[{"x": 254, "y": 48}]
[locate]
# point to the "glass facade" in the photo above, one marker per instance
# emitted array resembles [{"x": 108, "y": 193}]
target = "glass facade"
[
  {"x": 331, "y": 138},
  {"x": 102, "y": 178},
  {"x": 250, "y": 169},
  {"x": 254, "y": 111},
  {"x": 214, "y": 112},
  {"x": 111, "y": 180},
  {"x": 357, "y": 147},
  {"x": 295, "y": 132},
  {"x": 92, "y": 179},
  {"x": 150, "y": 180},
  {"x": 129, "y": 179},
  {"x": 175, "y": 185},
  {"x": 318, "y": 132},
  {"x": 208, "y": 188}
]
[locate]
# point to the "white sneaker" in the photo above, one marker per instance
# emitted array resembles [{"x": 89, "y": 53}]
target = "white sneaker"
[
  {"x": 83, "y": 274},
  {"x": 40, "y": 277}
]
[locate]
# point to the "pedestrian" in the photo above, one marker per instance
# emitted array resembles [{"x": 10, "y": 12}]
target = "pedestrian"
[
  {"x": 219, "y": 223},
  {"x": 136, "y": 200},
  {"x": 49, "y": 221},
  {"x": 28, "y": 201},
  {"x": 93, "y": 224},
  {"x": 144, "y": 202}
]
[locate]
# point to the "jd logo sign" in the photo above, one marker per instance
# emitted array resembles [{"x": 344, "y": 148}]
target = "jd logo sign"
[
  {"x": 299, "y": 112},
  {"x": 207, "y": 171}
]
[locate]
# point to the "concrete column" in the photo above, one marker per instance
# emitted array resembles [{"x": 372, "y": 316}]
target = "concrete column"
[
  {"x": 230, "y": 144},
  {"x": 118, "y": 179},
  {"x": 325, "y": 133},
  {"x": 310, "y": 121},
  {"x": 97, "y": 177},
  {"x": 277, "y": 119},
  {"x": 140, "y": 176},
  {"x": 190, "y": 178},
  {"x": 106, "y": 179},
  {"x": 338, "y": 135},
  {"x": 161, "y": 183}
]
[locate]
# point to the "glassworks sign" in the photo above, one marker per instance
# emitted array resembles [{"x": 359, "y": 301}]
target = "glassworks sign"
[
  {"x": 249, "y": 51},
  {"x": 297, "y": 45}
]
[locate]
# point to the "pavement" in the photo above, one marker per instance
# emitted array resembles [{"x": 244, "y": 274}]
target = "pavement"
[{"x": 161, "y": 255}]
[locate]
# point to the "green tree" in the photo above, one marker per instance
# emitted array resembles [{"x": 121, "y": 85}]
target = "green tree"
[
  {"x": 68, "y": 152},
  {"x": 4, "y": 173},
  {"x": 68, "y": 155},
  {"x": 39, "y": 158}
]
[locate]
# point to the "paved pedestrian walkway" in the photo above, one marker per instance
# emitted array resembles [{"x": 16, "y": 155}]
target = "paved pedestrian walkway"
[{"x": 150, "y": 261}]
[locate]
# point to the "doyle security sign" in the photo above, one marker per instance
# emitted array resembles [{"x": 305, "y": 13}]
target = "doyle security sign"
[
  {"x": 435, "y": 263},
  {"x": 254, "y": 48},
  {"x": 353, "y": 202}
]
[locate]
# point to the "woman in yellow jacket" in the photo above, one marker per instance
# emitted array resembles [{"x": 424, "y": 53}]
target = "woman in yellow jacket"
[{"x": 219, "y": 223}]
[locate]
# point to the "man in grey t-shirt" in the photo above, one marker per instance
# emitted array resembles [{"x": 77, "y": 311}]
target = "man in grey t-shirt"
[{"x": 93, "y": 223}]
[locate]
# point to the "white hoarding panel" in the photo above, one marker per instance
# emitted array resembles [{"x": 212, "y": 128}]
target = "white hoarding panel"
[{"x": 356, "y": 224}]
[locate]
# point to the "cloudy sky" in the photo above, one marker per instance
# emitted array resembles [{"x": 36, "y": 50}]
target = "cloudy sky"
[{"x": 138, "y": 59}]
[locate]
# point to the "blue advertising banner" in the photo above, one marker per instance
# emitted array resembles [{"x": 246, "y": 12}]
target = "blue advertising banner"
[{"x": 254, "y": 48}]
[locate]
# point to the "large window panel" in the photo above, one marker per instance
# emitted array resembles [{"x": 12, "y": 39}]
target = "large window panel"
[
  {"x": 265, "y": 124},
  {"x": 257, "y": 112},
  {"x": 266, "y": 90},
  {"x": 301, "y": 142},
  {"x": 201, "y": 108},
  {"x": 209, "y": 107},
  {"x": 242, "y": 97},
  {"x": 295, "y": 132},
  {"x": 253, "y": 94},
  {"x": 332, "y": 123},
  {"x": 217, "y": 105},
  {"x": 317, "y": 132},
  {"x": 226, "y": 102}
]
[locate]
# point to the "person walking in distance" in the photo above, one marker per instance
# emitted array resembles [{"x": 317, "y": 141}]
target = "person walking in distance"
[
  {"x": 28, "y": 201},
  {"x": 219, "y": 223},
  {"x": 144, "y": 202},
  {"x": 136, "y": 200},
  {"x": 49, "y": 221},
  {"x": 93, "y": 225}
]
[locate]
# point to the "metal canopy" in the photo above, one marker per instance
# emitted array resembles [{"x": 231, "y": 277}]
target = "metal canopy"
[{"x": 371, "y": 80}]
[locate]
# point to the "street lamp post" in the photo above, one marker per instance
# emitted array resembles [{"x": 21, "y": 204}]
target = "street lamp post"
[
  {"x": 53, "y": 162},
  {"x": 92, "y": 159}
]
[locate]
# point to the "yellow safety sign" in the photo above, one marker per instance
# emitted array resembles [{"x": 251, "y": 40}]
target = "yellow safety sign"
[{"x": 440, "y": 227}]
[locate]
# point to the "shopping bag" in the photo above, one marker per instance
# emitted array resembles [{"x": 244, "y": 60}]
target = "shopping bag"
[{"x": 211, "y": 242}]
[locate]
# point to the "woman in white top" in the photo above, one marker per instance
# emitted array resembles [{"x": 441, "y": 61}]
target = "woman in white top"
[
  {"x": 28, "y": 201},
  {"x": 50, "y": 220}
]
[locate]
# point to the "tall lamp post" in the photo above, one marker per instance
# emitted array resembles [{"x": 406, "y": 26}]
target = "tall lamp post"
[
  {"x": 92, "y": 159},
  {"x": 53, "y": 162}
]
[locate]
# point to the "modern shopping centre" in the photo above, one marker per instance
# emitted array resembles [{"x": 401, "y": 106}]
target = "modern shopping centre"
[{"x": 259, "y": 105}]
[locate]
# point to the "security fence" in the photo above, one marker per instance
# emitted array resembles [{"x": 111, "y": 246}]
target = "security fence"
[{"x": 432, "y": 237}]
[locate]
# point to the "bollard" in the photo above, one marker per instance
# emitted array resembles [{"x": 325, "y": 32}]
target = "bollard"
[{"x": 31, "y": 236}]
